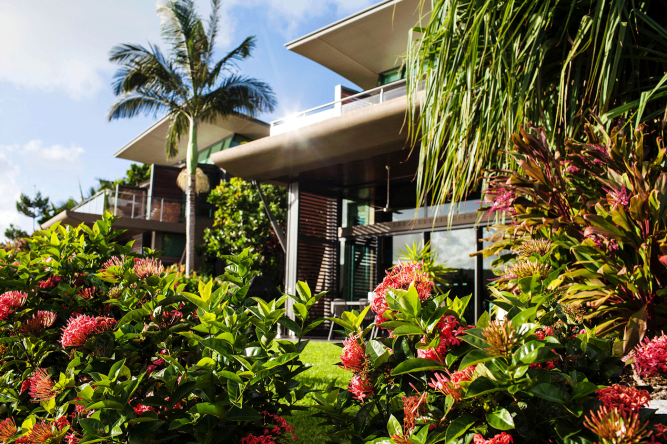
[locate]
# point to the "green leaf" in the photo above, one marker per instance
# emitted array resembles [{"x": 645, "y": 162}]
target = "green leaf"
[
  {"x": 475, "y": 356},
  {"x": 417, "y": 365},
  {"x": 207, "y": 408},
  {"x": 550, "y": 392},
  {"x": 134, "y": 314},
  {"x": 458, "y": 427},
  {"x": 500, "y": 419},
  {"x": 409, "y": 302},
  {"x": 404, "y": 330},
  {"x": 394, "y": 427},
  {"x": 181, "y": 391},
  {"x": 303, "y": 291},
  {"x": 482, "y": 385}
]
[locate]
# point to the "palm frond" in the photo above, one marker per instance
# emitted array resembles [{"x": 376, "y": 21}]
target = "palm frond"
[
  {"x": 179, "y": 124},
  {"x": 213, "y": 23},
  {"x": 239, "y": 53},
  {"x": 482, "y": 68},
  {"x": 132, "y": 105},
  {"x": 238, "y": 94}
]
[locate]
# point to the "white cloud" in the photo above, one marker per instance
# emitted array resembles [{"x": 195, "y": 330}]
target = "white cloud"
[
  {"x": 9, "y": 194},
  {"x": 63, "y": 45},
  {"x": 53, "y": 153}
]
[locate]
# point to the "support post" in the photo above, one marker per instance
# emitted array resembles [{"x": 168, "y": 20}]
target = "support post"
[
  {"x": 292, "y": 246},
  {"x": 479, "y": 274},
  {"x": 272, "y": 218}
]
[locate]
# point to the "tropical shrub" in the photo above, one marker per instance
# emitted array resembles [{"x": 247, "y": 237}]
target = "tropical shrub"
[
  {"x": 596, "y": 212},
  {"x": 241, "y": 222},
  {"x": 102, "y": 345},
  {"x": 436, "y": 379}
]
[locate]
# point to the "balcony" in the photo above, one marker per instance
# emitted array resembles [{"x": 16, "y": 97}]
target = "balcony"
[
  {"x": 134, "y": 204},
  {"x": 339, "y": 107}
]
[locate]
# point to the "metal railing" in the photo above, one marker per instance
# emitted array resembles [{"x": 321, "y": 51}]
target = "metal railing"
[
  {"x": 135, "y": 204},
  {"x": 338, "y": 107}
]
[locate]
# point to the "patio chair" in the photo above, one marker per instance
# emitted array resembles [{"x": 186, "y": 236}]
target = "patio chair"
[{"x": 337, "y": 311}]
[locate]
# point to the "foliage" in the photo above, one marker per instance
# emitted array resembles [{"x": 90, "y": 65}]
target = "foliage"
[
  {"x": 241, "y": 222},
  {"x": 428, "y": 259},
  {"x": 33, "y": 208},
  {"x": 135, "y": 175},
  {"x": 14, "y": 233},
  {"x": 500, "y": 377},
  {"x": 189, "y": 86},
  {"x": 101, "y": 345},
  {"x": 600, "y": 211},
  {"x": 486, "y": 67}
]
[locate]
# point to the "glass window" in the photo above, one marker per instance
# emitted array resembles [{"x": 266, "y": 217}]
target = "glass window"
[
  {"x": 453, "y": 249},
  {"x": 402, "y": 241},
  {"x": 359, "y": 273},
  {"x": 173, "y": 244}
]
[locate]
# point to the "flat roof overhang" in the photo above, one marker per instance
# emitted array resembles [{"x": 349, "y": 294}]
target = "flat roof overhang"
[
  {"x": 365, "y": 44},
  {"x": 357, "y": 135},
  {"x": 74, "y": 218},
  {"x": 148, "y": 147}
]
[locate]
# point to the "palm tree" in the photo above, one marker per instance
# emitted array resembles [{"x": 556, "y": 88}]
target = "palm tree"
[
  {"x": 488, "y": 67},
  {"x": 187, "y": 85}
]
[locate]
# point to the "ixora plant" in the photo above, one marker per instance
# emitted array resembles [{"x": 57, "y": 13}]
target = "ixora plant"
[
  {"x": 436, "y": 379},
  {"x": 102, "y": 345},
  {"x": 591, "y": 219}
]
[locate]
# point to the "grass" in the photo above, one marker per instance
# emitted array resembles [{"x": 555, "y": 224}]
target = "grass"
[{"x": 323, "y": 356}]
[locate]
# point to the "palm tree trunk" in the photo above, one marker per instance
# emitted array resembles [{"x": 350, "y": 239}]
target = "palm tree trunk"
[{"x": 190, "y": 199}]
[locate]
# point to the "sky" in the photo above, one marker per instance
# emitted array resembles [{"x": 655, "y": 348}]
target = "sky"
[{"x": 55, "y": 82}]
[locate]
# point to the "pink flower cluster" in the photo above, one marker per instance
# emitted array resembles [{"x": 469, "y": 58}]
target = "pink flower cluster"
[
  {"x": 10, "y": 301},
  {"x": 501, "y": 200},
  {"x": 651, "y": 356},
  {"x": 400, "y": 278},
  {"x": 451, "y": 385},
  {"x": 623, "y": 398},
  {"x": 87, "y": 293},
  {"x": 146, "y": 267},
  {"x": 51, "y": 282},
  {"x": 39, "y": 322},
  {"x": 41, "y": 386},
  {"x": 355, "y": 359},
  {"x": 501, "y": 438},
  {"x": 280, "y": 429},
  {"x": 449, "y": 329},
  {"x": 82, "y": 327}
]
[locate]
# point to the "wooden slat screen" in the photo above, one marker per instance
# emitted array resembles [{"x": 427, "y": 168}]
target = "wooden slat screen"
[{"x": 317, "y": 256}]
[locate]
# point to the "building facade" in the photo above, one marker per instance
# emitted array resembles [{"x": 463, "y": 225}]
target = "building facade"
[{"x": 349, "y": 172}]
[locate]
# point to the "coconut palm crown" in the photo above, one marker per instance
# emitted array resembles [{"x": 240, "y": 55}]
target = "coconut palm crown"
[{"x": 187, "y": 84}]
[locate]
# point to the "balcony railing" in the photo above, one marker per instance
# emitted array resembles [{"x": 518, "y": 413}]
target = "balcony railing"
[
  {"x": 339, "y": 107},
  {"x": 135, "y": 204}
]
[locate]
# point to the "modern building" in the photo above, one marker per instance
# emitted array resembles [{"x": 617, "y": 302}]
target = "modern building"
[
  {"x": 349, "y": 172},
  {"x": 153, "y": 214}
]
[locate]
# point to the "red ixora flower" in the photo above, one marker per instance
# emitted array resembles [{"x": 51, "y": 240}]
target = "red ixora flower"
[
  {"x": 40, "y": 433},
  {"x": 618, "y": 426},
  {"x": 41, "y": 386},
  {"x": 354, "y": 354},
  {"x": 650, "y": 357},
  {"x": 51, "y": 282},
  {"x": 39, "y": 322},
  {"x": 168, "y": 318},
  {"x": 62, "y": 422},
  {"x": 400, "y": 278},
  {"x": 360, "y": 387},
  {"x": 82, "y": 327},
  {"x": 7, "y": 429},
  {"x": 451, "y": 385},
  {"x": 623, "y": 398},
  {"x": 87, "y": 293},
  {"x": 10, "y": 301},
  {"x": 146, "y": 267},
  {"x": 501, "y": 438},
  {"x": 449, "y": 329}
]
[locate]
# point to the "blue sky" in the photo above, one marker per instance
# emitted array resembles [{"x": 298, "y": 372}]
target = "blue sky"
[{"x": 55, "y": 82}]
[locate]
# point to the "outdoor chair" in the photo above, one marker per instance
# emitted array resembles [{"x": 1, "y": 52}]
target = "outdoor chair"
[{"x": 337, "y": 310}]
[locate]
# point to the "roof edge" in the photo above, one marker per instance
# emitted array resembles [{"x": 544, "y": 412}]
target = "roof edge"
[{"x": 339, "y": 22}]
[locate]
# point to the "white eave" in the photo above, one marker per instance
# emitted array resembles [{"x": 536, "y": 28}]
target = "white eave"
[
  {"x": 148, "y": 147},
  {"x": 365, "y": 44}
]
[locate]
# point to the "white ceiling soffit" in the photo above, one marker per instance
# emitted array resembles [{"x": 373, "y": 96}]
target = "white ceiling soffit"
[
  {"x": 148, "y": 147},
  {"x": 362, "y": 46}
]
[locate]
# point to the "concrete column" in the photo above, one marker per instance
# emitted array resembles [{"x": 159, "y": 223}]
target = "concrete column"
[{"x": 291, "y": 262}]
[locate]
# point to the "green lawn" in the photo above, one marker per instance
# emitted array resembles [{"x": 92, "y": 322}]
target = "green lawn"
[{"x": 323, "y": 356}]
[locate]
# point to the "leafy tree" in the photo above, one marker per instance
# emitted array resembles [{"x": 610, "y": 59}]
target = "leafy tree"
[
  {"x": 241, "y": 222},
  {"x": 33, "y": 208},
  {"x": 136, "y": 175},
  {"x": 188, "y": 85},
  {"x": 488, "y": 67},
  {"x": 13, "y": 233}
]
